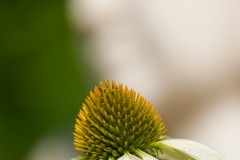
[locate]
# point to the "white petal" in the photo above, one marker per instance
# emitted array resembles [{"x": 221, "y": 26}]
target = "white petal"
[
  {"x": 75, "y": 158},
  {"x": 144, "y": 155},
  {"x": 192, "y": 148},
  {"x": 166, "y": 154},
  {"x": 128, "y": 156}
]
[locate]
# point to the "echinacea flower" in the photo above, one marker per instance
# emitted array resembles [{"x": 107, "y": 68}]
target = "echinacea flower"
[{"x": 115, "y": 123}]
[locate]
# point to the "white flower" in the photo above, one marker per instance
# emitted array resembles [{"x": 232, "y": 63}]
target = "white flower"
[{"x": 117, "y": 124}]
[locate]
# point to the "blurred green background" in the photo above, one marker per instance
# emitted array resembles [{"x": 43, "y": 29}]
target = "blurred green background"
[{"x": 43, "y": 81}]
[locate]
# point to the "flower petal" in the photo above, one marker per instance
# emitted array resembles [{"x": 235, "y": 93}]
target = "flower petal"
[
  {"x": 128, "y": 156},
  {"x": 144, "y": 155},
  {"x": 194, "y": 149},
  {"x": 170, "y": 154}
]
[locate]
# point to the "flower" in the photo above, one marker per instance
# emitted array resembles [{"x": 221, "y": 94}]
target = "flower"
[{"x": 115, "y": 123}]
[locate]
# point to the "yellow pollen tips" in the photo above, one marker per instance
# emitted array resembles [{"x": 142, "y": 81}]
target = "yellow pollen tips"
[{"x": 114, "y": 120}]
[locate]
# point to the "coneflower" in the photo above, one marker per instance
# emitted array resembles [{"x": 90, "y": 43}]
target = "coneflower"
[{"x": 115, "y": 123}]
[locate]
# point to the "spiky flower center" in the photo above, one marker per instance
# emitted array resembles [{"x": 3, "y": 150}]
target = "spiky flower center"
[{"x": 114, "y": 120}]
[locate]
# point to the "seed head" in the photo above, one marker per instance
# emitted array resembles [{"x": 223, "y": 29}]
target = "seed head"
[{"x": 115, "y": 120}]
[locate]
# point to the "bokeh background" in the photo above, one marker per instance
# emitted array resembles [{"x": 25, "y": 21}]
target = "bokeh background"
[
  {"x": 182, "y": 56},
  {"x": 43, "y": 82}
]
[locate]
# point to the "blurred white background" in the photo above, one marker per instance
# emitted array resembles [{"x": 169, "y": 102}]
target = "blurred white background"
[{"x": 183, "y": 56}]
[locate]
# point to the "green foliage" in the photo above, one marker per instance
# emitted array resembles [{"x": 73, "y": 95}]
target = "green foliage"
[{"x": 41, "y": 84}]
